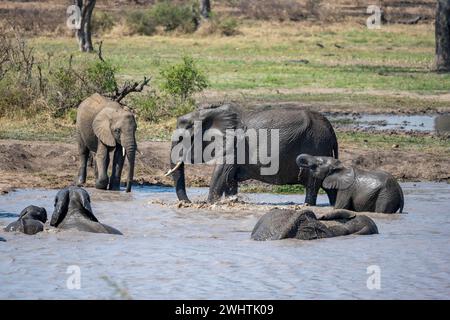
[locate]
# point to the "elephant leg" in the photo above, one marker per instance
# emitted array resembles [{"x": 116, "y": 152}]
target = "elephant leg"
[
  {"x": 222, "y": 176},
  {"x": 102, "y": 158},
  {"x": 312, "y": 189},
  {"x": 344, "y": 201},
  {"x": 332, "y": 194},
  {"x": 231, "y": 189},
  {"x": 83, "y": 152},
  {"x": 117, "y": 166}
]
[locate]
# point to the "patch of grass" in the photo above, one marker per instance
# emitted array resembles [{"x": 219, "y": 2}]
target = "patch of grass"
[
  {"x": 396, "y": 58},
  {"x": 405, "y": 142}
]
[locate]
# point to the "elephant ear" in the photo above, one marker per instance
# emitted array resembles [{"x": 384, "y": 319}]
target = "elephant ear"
[
  {"x": 82, "y": 197},
  {"x": 102, "y": 127},
  {"x": 340, "y": 178},
  {"x": 221, "y": 118},
  {"x": 61, "y": 207}
]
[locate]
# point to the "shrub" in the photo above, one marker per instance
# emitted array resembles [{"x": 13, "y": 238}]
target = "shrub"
[
  {"x": 228, "y": 27},
  {"x": 172, "y": 16},
  {"x": 102, "y": 22},
  {"x": 183, "y": 79},
  {"x": 141, "y": 23}
]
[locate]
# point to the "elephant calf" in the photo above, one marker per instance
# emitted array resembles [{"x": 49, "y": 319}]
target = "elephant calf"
[
  {"x": 358, "y": 190},
  {"x": 31, "y": 221},
  {"x": 73, "y": 211},
  {"x": 102, "y": 126},
  {"x": 280, "y": 224}
]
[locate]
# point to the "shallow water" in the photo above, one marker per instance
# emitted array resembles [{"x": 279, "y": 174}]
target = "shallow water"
[
  {"x": 189, "y": 254},
  {"x": 424, "y": 123}
]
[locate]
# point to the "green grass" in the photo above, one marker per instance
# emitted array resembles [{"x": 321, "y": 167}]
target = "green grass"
[
  {"x": 385, "y": 141},
  {"x": 396, "y": 58}
]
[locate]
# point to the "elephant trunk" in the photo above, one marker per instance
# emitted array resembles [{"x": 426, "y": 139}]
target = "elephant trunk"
[
  {"x": 177, "y": 172},
  {"x": 130, "y": 150}
]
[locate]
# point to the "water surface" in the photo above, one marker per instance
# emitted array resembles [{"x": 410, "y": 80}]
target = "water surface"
[{"x": 171, "y": 253}]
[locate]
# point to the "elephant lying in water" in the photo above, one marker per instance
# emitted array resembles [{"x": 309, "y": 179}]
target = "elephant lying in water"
[
  {"x": 280, "y": 224},
  {"x": 357, "y": 189},
  {"x": 73, "y": 211},
  {"x": 31, "y": 221}
]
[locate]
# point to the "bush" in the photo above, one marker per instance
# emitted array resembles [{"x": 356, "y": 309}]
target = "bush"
[
  {"x": 228, "y": 27},
  {"x": 102, "y": 22},
  {"x": 183, "y": 79},
  {"x": 141, "y": 23},
  {"x": 173, "y": 16}
]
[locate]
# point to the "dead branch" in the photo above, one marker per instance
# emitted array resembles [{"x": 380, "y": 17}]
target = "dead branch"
[{"x": 128, "y": 88}]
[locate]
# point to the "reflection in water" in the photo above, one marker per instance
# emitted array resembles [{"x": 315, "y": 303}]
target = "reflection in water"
[{"x": 187, "y": 253}]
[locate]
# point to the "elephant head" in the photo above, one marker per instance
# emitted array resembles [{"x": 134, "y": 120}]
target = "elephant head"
[
  {"x": 34, "y": 213},
  {"x": 329, "y": 170},
  {"x": 193, "y": 125},
  {"x": 73, "y": 200},
  {"x": 118, "y": 127}
]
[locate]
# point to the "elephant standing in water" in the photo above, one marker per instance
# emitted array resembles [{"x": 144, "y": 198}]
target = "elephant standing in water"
[
  {"x": 31, "y": 221},
  {"x": 73, "y": 211},
  {"x": 280, "y": 224},
  {"x": 104, "y": 125},
  {"x": 357, "y": 189},
  {"x": 300, "y": 131}
]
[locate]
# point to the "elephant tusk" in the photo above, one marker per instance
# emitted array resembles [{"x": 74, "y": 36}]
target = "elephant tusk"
[
  {"x": 123, "y": 151},
  {"x": 171, "y": 171}
]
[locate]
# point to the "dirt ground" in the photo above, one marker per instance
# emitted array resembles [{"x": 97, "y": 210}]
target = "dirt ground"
[{"x": 35, "y": 164}]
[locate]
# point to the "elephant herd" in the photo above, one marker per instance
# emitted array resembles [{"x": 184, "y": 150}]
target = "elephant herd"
[{"x": 307, "y": 152}]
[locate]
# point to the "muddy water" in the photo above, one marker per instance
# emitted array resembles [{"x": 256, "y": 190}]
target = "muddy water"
[
  {"x": 184, "y": 253},
  {"x": 424, "y": 123}
]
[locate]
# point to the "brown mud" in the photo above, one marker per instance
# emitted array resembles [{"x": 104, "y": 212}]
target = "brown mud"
[{"x": 36, "y": 164}]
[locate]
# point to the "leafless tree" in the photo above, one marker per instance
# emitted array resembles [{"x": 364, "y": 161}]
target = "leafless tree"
[
  {"x": 84, "y": 34},
  {"x": 442, "y": 31}
]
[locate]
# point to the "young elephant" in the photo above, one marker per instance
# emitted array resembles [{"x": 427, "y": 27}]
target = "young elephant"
[
  {"x": 358, "y": 190},
  {"x": 31, "y": 221},
  {"x": 73, "y": 211},
  {"x": 280, "y": 224},
  {"x": 104, "y": 125}
]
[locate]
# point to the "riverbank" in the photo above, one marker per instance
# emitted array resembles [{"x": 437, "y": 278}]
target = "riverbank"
[{"x": 43, "y": 164}]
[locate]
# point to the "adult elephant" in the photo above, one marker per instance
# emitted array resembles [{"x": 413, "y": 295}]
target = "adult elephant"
[
  {"x": 280, "y": 224},
  {"x": 300, "y": 131},
  {"x": 104, "y": 125},
  {"x": 357, "y": 189}
]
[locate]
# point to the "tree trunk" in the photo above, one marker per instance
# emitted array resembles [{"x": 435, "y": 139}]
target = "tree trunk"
[
  {"x": 205, "y": 8},
  {"x": 83, "y": 34},
  {"x": 443, "y": 36}
]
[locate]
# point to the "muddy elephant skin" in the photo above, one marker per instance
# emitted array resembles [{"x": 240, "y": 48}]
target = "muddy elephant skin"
[
  {"x": 280, "y": 224},
  {"x": 31, "y": 221},
  {"x": 300, "y": 131},
  {"x": 357, "y": 190},
  {"x": 73, "y": 211}
]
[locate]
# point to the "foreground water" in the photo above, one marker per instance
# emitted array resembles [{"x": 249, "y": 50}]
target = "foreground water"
[{"x": 170, "y": 253}]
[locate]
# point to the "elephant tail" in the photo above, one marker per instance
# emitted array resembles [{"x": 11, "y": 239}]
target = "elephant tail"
[{"x": 335, "y": 150}]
